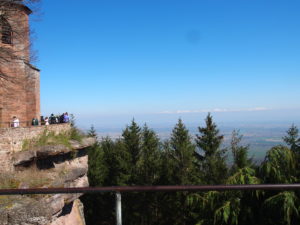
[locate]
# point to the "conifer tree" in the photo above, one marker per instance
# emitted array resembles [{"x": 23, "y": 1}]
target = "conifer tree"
[
  {"x": 213, "y": 160},
  {"x": 168, "y": 165},
  {"x": 92, "y": 132},
  {"x": 279, "y": 166},
  {"x": 150, "y": 157},
  {"x": 148, "y": 165},
  {"x": 292, "y": 139},
  {"x": 132, "y": 141},
  {"x": 239, "y": 152},
  {"x": 133, "y": 145},
  {"x": 117, "y": 160},
  {"x": 97, "y": 168},
  {"x": 99, "y": 173},
  {"x": 183, "y": 151},
  {"x": 209, "y": 140}
]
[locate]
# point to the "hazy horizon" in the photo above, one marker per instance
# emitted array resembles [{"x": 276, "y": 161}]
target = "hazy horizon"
[{"x": 259, "y": 118}]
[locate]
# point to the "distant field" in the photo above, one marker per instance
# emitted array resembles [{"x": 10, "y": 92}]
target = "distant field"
[{"x": 260, "y": 139}]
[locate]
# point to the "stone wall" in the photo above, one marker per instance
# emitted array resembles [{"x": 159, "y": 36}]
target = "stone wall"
[
  {"x": 20, "y": 95},
  {"x": 32, "y": 90},
  {"x": 20, "y": 81},
  {"x": 11, "y": 140}
]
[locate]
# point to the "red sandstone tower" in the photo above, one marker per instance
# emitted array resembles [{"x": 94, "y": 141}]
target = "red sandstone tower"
[{"x": 19, "y": 80}]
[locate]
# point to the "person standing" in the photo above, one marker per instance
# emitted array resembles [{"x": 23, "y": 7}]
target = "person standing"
[
  {"x": 46, "y": 121},
  {"x": 52, "y": 119},
  {"x": 15, "y": 122},
  {"x": 66, "y": 118}
]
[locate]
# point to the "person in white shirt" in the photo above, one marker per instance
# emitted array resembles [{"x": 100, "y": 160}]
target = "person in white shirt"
[
  {"x": 46, "y": 121},
  {"x": 16, "y": 122}
]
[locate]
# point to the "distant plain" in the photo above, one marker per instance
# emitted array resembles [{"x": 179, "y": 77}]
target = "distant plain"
[{"x": 259, "y": 137}]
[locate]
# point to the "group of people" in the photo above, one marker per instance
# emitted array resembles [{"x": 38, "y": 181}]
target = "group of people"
[{"x": 64, "y": 118}]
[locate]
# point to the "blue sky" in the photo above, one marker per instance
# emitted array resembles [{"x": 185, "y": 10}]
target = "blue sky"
[{"x": 156, "y": 60}]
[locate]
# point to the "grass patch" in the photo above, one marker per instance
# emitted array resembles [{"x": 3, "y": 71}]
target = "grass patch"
[
  {"x": 31, "y": 178},
  {"x": 8, "y": 181},
  {"x": 76, "y": 134},
  {"x": 50, "y": 138}
]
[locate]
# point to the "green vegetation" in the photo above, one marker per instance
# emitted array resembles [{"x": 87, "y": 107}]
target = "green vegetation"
[
  {"x": 31, "y": 178},
  {"x": 50, "y": 138},
  {"x": 139, "y": 157}
]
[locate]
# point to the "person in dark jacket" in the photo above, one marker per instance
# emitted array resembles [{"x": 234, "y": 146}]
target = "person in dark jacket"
[{"x": 52, "y": 119}]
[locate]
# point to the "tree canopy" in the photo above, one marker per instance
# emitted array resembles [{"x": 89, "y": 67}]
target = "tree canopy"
[{"x": 139, "y": 157}]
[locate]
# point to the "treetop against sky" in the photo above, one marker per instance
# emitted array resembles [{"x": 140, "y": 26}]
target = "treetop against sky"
[{"x": 169, "y": 57}]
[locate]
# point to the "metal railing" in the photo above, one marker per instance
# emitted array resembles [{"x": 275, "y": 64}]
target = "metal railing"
[{"x": 122, "y": 189}]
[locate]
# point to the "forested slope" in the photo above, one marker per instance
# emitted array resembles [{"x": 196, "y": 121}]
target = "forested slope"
[{"x": 139, "y": 157}]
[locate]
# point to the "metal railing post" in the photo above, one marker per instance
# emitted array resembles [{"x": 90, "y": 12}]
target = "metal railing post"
[{"x": 118, "y": 209}]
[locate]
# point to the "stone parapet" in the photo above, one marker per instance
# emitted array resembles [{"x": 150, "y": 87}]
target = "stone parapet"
[{"x": 11, "y": 139}]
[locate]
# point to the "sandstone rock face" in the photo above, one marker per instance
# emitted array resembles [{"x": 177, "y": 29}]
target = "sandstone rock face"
[
  {"x": 46, "y": 166},
  {"x": 52, "y": 210},
  {"x": 59, "y": 209},
  {"x": 23, "y": 157},
  {"x": 12, "y": 139},
  {"x": 75, "y": 217}
]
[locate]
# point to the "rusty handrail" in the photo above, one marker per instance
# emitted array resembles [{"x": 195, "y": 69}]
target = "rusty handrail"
[{"x": 122, "y": 189}]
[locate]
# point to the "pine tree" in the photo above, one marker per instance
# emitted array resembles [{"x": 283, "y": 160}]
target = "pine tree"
[
  {"x": 132, "y": 139},
  {"x": 150, "y": 157},
  {"x": 168, "y": 165},
  {"x": 92, "y": 132},
  {"x": 209, "y": 140},
  {"x": 239, "y": 152},
  {"x": 117, "y": 160},
  {"x": 183, "y": 154},
  {"x": 148, "y": 165},
  {"x": 97, "y": 172},
  {"x": 292, "y": 139},
  {"x": 213, "y": 161},
  {"x": 182, "y": 151}
]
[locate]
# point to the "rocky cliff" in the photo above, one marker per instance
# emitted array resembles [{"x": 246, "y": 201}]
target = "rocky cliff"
[{"x": 53, "y": 163}]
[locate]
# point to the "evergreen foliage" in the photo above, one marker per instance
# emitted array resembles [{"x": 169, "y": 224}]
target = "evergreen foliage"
[
  {"x": 131, "y": 138},
  {"x": 139, "y": 157},
  {"x": 182, "y": 152},
  {"x": 92, "y": 132},
  {"x": 213, "y": 162},
  {"x": 150, "y": 157},
  {"x": 292, "y": 139},
  {"x": 286, "y": 206},
  {"x": 209, "y": 140},
  {"x": 279, "y": 166},
  {"x": 239, "y": 152}
]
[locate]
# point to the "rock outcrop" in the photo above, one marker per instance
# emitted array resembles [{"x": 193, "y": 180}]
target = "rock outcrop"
[{"x": 42, "y": 167}]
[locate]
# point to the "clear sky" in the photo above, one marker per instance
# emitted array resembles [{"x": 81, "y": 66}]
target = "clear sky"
[{"x": 107, "y": 61}]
